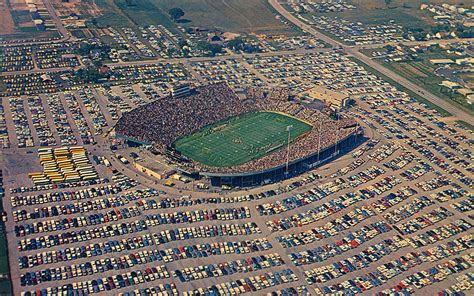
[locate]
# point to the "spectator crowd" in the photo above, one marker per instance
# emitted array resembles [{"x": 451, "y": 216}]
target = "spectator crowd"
[{"x": 163, "y": 121}]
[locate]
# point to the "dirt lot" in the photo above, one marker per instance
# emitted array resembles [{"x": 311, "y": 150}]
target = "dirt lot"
[
  {"x": 7, "y": 26},
  {"x": 83, "y": 8}
]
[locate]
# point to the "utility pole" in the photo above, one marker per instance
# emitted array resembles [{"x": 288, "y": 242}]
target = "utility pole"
[{"x": 288, "y": 129}]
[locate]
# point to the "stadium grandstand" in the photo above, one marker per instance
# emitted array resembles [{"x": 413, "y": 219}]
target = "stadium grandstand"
[{"x": 237, "y": 140}]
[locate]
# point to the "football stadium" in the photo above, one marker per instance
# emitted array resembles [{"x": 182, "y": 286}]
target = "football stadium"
[{"x": 236, "y": 140}]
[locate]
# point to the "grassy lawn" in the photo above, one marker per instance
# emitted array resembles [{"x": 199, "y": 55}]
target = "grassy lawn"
[
  {"x": 228, "y": 15},
  {"x": 146, "y": 12},
  {"x": 111, "y": 15},
  {"x": 466, "y": 125},
  {"x": 419, "y": 98},
  {"x": 240, "y": 139}
]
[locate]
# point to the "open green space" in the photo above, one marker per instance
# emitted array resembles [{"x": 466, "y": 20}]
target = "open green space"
[
  {"x": 466, "y": 125},
  {"x": 414, "y": 95},
  {"x": 111, "y": 15},
  {"x": 231, "y": 15},
  {"x": 241, "y": 139}
]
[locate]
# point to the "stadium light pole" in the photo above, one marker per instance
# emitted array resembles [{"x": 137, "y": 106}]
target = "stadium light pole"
[
  {"x": 337, "y": 132},
  {"x": 288, "y": 129},
  {"x": 319, "y": 136}
]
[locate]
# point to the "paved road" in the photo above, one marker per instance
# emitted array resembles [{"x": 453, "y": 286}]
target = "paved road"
[
  {"x": 413, "y": 43},
  {"x": 455, "y": 110},
  {"x": 222, "y": 57}
]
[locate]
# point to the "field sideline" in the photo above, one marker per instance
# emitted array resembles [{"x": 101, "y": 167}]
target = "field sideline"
[{"x": 240, "y": 139}]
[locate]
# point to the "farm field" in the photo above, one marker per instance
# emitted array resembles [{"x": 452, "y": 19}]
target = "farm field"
[
  {"x": 241, "y": 139},
  {"x": 7, "y": 26},
  {"x": 249, "y": 16}
]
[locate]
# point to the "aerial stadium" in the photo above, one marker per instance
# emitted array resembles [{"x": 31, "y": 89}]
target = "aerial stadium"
[{"x": 234, "y": 140}]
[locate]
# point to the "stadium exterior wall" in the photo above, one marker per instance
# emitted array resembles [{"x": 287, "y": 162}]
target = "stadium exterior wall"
[{"x": 278, "y": 173}]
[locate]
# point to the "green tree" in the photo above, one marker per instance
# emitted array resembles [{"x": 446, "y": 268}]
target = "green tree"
[
  {"x": 235, "y": 44},
  {"x": 176, "y": 13},
  {"x": 213, "y": 49}
]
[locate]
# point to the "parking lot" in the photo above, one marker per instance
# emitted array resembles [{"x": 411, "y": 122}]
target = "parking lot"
[{"x": 394, "y": 215}]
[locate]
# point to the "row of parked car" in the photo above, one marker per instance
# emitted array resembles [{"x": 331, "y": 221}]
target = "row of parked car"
[
  {"x": 441, "y": 163},
  {"x": 442, "y": 232},
  {"x": 449, "y": 194},
  {"x": 223, "y": 214},
  {"x": 20, "y": 121},
  {"x": 384, "y": 151},
  {"x": 80, "y": 121},
  {"x": 76, "y": 222},
  {"x": 387, "y": 271},
  {"x": 386, "y": 202},
  {"x": 350, "y": 167},
  {"x": 292, "y": 202},
  {"x": 40, "y": 122},
  {"x": 359, "y": 261},
  {"x": 337, "y": 204},
  {"x": 93, "y": 108},
  {"x": 119, "y": 214},
  {"x": 92, "y": 204},
  {"x": 60, "y": 119},
  {"x": 417, "y": 171},
  {"x": 463, "y": 284},
  {"x": 168, "y": 202},
  {"x": 115, "y": 230},
  {"x": 135, "y": 243},
  {"x": 331, "y": 228},
  {"x": 350, "y": 241},
  {"x": 464, "y": 205},
  {"x": 437, "y": 274},
  {"x": 52, "y": 187},
  {"x": 242, "y": 265},
  {"x": 365, "y": 176},
  {"x": 166, "y": 289},
  {"x": 4, "y": 139},
  {"x": 423, "y": 221},
  {"x": 290, "y": 291},
  {"x": 253, "y": 284},
  {"x": 64, "y": 195},
  {"x": 435, "y": 183},
  {"x": 408, "y": 209},
  {"x": 314, "y": 214},
  {"x": 90, "y": 267},
  {"x": 400, "y": 161},
  {"x": 99, "y": 285}
]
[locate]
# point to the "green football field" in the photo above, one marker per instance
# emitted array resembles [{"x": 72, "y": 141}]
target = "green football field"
[{"x": 240, "y": 139}]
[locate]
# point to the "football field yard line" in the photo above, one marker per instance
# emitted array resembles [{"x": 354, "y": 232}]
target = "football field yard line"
[{"x": 240, "y": 139}]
